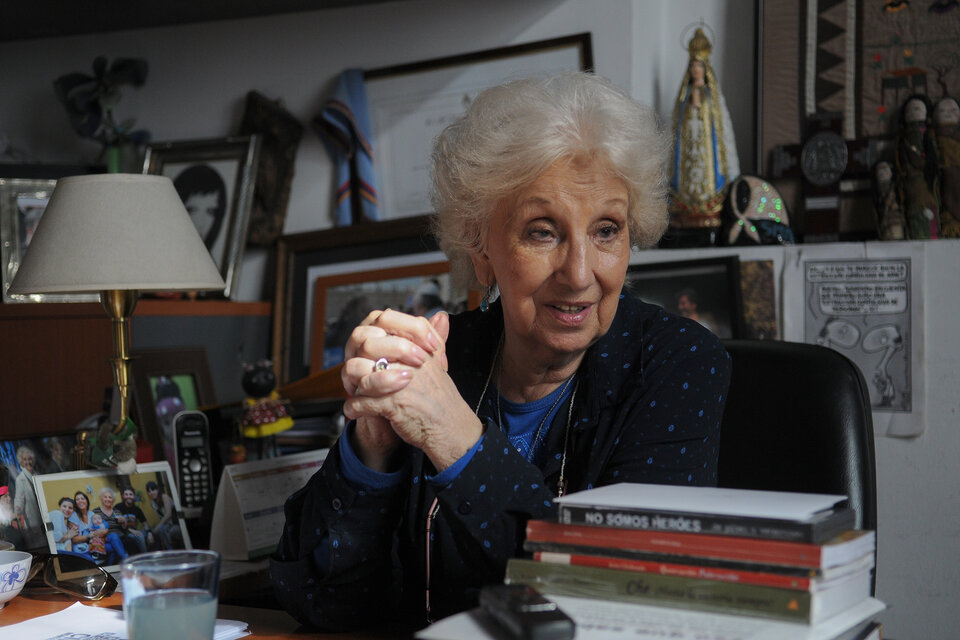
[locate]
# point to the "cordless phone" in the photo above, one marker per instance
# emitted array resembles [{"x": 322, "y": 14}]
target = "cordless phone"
[{"x": 191, "y": 433}]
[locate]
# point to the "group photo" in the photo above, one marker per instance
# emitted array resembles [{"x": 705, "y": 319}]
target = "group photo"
[{"x": 107, "y": 517}]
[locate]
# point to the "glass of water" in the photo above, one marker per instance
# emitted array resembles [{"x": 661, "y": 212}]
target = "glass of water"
[{"x": 171, "y": 594}]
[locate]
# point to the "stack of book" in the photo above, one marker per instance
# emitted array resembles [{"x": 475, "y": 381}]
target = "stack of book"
[{"x": 789, "y": 556}]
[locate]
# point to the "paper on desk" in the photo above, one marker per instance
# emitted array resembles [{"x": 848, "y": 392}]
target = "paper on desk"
[
  {"x": 604, "y": 620},
  {"x": 80, "y": 622}
]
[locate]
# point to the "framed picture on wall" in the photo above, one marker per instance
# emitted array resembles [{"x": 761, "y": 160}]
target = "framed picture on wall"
[
  {"x": 22, "y": 203},
  {"x": 342, "y": 300},
  {"x": 166, "y": 382},
  {"x": 410, "y": 104},
  {"x": 302, "y": 258},
  {"x": 215, "y": 179},
  {"x": 707, "y": 291},
  {"x": 80, "y": 508}
]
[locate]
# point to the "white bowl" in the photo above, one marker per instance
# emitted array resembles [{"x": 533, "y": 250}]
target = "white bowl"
[{"x": 14, "y": 567}]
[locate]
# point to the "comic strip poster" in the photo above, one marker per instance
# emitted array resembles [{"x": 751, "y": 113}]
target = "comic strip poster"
[{"x": 868, "y": 308}]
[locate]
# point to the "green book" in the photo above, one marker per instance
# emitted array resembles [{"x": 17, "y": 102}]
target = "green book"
[{"x": 810, "y": 607}]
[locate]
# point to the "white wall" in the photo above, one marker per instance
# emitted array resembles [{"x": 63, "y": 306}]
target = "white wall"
[{"x": 199, "y": 75}]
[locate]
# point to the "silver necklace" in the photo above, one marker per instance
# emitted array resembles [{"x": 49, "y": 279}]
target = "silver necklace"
[
  {"x": 561, "y": 482},
  {"x": 538, "y": 436}
]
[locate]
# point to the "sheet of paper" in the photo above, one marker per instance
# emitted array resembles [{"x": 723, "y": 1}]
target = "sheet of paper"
[
  {"x": 713, "y": 500},
  {"x": 866, "y": 302},
  {"x": 602, "y": 620},
  {"x": 82, "y": 622}
]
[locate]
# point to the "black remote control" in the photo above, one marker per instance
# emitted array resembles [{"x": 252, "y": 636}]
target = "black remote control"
[{"x": 526, "y": 614}]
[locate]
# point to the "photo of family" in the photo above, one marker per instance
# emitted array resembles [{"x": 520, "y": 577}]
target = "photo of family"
[{"x": 106, "y": 517}]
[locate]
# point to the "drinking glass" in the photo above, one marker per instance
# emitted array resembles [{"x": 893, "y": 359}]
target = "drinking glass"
[{"x": 170, "y": 594}]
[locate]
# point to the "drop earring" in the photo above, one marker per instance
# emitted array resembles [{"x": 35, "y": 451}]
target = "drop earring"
[{"x": 489, "y": 295}]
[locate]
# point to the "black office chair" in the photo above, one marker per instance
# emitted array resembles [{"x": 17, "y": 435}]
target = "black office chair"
[{"x": 798, "y": 418}]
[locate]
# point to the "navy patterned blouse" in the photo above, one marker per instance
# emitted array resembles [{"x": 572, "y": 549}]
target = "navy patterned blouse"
[{"x": 647, "y": 408}]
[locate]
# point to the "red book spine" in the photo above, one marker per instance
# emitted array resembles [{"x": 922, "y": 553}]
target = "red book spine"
[
  {"x": 797, "y": 554},
  {"x": 683, "y": 570}
]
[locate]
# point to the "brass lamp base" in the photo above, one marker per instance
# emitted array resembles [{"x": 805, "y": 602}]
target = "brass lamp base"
[{"x": 114, "y": 445}]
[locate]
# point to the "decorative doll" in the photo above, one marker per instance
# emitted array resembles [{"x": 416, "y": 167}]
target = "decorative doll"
[
  {"x": 265, "y": 413},
  {"x": 704, "y": 151},
  {"x": 886, "y": 201},
  {"x": 946, "y": 124},
  {"x": 917, "y": 168}
]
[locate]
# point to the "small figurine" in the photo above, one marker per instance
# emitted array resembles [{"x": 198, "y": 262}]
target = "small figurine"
[
  {"x": 946, "y": 123},
  {"x": 754, "y": 213},
  {"x": 917, "y": 168},
  {"x": 265, "y": 414},
  {"x": 891, "y": 224}
]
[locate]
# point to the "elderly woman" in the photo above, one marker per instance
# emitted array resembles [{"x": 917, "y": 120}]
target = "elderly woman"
[{"x": 561, "y": 384}]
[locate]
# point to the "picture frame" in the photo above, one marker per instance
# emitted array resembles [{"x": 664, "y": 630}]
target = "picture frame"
[
  {"x": 409, "y": 104},
  {"x": 708, "y": 288},
  {"x": 95, "y": 484},
  {"x": 51, "y": 454},
  {"x": 226, "y": 167},
  {"x": 304, "y": 257},
  {"x": 342, "y": 300},
  {"x": 22, "y": 203},
  {"x": 165, "y": 382},
  {"x": 280, "y": 134}
]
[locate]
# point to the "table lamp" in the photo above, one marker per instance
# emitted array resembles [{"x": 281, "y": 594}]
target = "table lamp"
[{"x": 116, "y": 234}]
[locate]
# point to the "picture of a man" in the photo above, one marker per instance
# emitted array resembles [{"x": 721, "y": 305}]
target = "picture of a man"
[{"x": 137, "y": 527}]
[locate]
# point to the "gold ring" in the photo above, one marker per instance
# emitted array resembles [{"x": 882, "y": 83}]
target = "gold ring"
[{"x": 381, "y": 365}]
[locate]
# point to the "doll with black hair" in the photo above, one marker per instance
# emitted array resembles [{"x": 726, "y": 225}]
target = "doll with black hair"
[
  {"x": 265, "y": 413},
  {"x": 917, "y": 168}
]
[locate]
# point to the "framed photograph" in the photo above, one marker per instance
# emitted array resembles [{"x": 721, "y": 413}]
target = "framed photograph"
[
  {"x": 304, "y": 257},
  {"x": 215, "y": 179},
  {"x": 280, "y": 134},
  {"x": 20, "y": 461},
  {"x": 166, "y": 382},
  {"x": 22, "y": 203},
  {"x": 107, "y": 516},
  {"x": 707, "y": 291},
  {"x": 341, "y": 301},
  {"x": 410, "y": 104}
]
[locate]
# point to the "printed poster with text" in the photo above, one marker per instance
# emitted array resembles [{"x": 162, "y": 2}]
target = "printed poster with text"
[{"x": 865, "y": 302}]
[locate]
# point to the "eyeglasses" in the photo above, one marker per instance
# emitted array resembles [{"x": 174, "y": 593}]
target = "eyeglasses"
[{"x": 73, "y": 575}]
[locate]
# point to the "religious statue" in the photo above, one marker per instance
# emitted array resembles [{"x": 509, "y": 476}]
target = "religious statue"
[
  {"x": 704, "y": 159},
  {"x": 946, "y": 124},
  {"x": 917, "y": 169}
]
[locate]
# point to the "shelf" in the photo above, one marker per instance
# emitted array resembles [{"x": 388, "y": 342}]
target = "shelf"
[{"x": 144, "y": 308}]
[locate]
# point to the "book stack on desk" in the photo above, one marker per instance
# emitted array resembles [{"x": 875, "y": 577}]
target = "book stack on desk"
[{"x": 789, "y": 556}]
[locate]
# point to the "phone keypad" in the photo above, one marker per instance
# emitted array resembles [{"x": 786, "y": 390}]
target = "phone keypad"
[{"x": 195, "y": 480}]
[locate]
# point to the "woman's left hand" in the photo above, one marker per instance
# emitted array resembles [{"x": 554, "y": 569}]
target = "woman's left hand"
[{"x": 421, "y": 402}]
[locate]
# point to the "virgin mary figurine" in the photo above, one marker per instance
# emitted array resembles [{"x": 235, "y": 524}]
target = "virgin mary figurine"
[{"x": 704, "y": 151}]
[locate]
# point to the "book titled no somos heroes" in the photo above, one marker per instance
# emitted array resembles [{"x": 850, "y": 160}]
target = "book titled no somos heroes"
[{"x": 800, "y": 517}]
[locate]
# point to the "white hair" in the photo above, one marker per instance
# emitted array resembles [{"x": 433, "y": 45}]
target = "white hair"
[{"x": 515, "y": 131}]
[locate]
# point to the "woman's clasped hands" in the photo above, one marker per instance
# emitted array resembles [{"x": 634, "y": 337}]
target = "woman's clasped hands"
[{"x": 395, "y": 376}]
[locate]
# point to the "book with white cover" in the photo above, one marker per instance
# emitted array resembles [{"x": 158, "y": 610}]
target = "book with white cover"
[
  {"x": 774, "y": 515},
  {"x": 707, "y": 500}
]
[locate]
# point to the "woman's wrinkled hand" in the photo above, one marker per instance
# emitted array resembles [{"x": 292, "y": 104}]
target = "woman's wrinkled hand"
[{"x": 413, "y": 396}]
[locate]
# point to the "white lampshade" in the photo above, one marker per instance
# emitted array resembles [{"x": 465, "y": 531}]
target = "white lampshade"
[{"x": 115, "y": 231}]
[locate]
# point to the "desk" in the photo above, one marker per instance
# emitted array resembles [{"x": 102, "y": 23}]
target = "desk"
[{"x": 265, "y": 624}]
